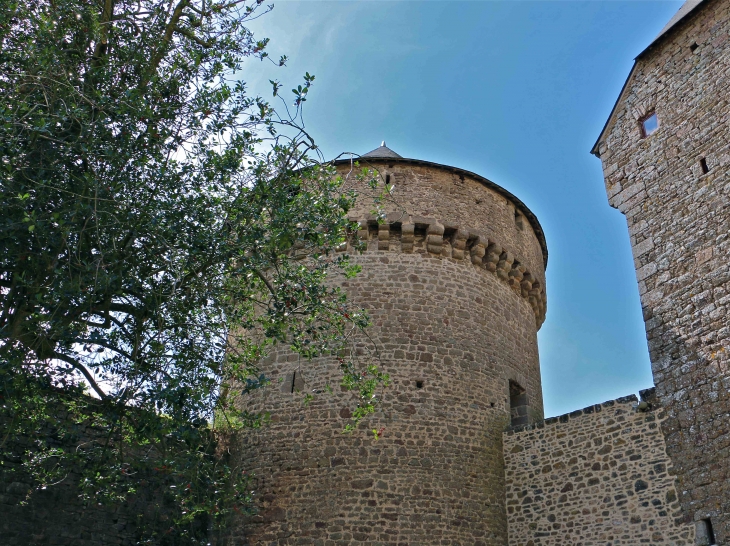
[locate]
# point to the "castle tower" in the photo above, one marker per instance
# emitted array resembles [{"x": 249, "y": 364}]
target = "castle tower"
[
  {"x": 666, "y": 165},
  {"x": 454, "y": 282}
]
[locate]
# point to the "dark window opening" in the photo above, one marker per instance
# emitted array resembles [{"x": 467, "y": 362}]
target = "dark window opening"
[
  {"x": 373, "y": 228},
  {"x": 710, "y": 532},
  {"x": 703, "y": 166},
  {"x": 293, "y": 382},
  {"x": 705, "y": 536},
  {"x": 449, "y": 235},
  {"x": 649, "y": 125},
  {"x": 518, "y": 220},
  {"x": 693, "y": 47},
  {"x": 517, "y": 404},
  {"x": 419, "y": 384},
  {"x": 387, "y": 179}
]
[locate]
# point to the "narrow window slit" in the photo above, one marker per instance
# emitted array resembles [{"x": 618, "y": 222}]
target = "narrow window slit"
[
  {"x": 518, "y": 220},
  {"x": 387, "y": 179},
  {"x": 693, "y": 47},
  {"x": 705, "y": 535},
  {"x": 419, "y": 384},
  {"x": 703, "y": 166},
  {"x": 517, "y": 404}
]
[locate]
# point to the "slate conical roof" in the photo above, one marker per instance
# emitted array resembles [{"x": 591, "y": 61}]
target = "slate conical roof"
[{"x": 382, "y": 151}]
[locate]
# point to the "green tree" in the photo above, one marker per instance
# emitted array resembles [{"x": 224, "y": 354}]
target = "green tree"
[{"x": 160, "y": 228}]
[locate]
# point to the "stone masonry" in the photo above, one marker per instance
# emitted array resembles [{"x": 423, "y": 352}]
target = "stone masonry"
[
  {"x": 454, "y": 284},
  {"x": 673, "y": 187},
  {"x": 596, "y": 476},
  {"x": 453, "y": 277}
]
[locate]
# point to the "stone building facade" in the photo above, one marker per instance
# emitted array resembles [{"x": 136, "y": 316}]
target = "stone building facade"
[{"x": 666, "y": 161}]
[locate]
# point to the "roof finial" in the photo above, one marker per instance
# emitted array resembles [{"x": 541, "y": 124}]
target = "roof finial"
[
  {"x": 382, "y": 143},
  {"x": 381, "y": 152}
]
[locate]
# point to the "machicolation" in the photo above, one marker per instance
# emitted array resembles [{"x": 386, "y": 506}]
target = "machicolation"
[{"x": 402, "y": 233}]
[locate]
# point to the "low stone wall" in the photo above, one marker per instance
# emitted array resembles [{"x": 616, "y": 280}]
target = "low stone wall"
[
  {"x": 57, "y": 515},
  {"x": 596, "y": 476}
]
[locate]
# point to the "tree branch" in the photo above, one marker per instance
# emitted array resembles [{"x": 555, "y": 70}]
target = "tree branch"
[
  {"x": 190, "y": 35},
  {"x": 266, "y": 281},
  {"x": 166, "y": 39},
  {"x": 101, "y": 45},
  {"x": 86, "y": 373}
]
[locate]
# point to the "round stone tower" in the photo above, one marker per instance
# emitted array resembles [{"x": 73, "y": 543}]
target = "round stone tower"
[{"x": 454, "y": 282}]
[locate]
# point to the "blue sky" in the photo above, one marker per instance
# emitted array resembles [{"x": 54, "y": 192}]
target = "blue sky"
[{"x": 515, "y": 91}]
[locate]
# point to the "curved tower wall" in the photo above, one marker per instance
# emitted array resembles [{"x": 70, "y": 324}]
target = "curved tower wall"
[{"x": 454, "y": 284}]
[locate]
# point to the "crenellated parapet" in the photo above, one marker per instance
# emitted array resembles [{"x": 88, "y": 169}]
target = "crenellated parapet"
[{"x": 440, "y": 239}]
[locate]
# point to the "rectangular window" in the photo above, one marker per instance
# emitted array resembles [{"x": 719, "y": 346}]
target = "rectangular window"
[
  {"x": 649, "y": 124},
  {"x": 517, "y": 404}
]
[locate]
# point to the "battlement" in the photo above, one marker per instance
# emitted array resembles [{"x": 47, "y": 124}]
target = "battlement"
[
  {"x": 646, "y": 395},
  {"x": 441, "y": 239}
]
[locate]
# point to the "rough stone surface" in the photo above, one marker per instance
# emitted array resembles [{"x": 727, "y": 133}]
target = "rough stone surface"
[
  {"x": 454, "y": 285},
  {"x": 679, "y": 227},
  {"x": 452, "y": 196},
  {"x": 596, "y": 476}
]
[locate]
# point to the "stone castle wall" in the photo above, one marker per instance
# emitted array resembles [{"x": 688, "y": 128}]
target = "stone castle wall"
[
  {"x": 678, "y": 217},
  {"x": 57, "y": 515},
  {"x": 596, "y": 476},
  {"x": 452, "y": 327}
]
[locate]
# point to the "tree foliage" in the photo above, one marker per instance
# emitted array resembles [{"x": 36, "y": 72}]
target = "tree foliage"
[{"x": 160, "y": 228}]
